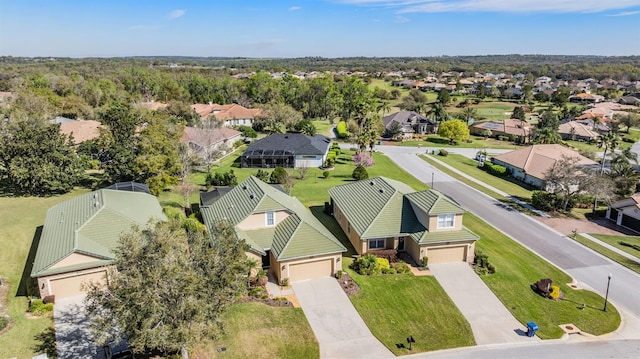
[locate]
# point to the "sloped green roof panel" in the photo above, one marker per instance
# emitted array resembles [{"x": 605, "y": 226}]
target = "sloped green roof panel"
[
  {"x": 251, "y": 242},
  {"x": 433, "y": 202},
  {"x": 426, "y": 237},
  {"x": 284, "y": 233},
  {"x": 306, "y": 242},
  {"x": 92, "y": 224},
  {"x": 262, "y": 237}
]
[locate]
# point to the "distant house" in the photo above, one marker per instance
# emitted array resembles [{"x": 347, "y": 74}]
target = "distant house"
[
  {"x": 586, "y": 98},
  {"x": 512, "y": 128},
  {"x": 290, "y": 150},
  {"x": 218, "y": 139},
  {"x": 530, "y": 164},
  {"x": 410, "y": 122},
  {"x": 81, "y": 130},
  {"x": 229, "y": 115},
  {"x": 281, "y": 232},
  {"x": 79, "y": 236},
  {"x": 380, "y": 213},
  {"x": 577, "y": 131},
  {"x": 626, "y": 212}
]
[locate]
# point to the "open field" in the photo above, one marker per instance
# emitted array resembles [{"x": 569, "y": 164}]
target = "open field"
[{"x": 517, "y": 268}]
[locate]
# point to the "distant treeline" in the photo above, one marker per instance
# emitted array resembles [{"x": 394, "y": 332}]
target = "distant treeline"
[{"x": 554, "y": 66}]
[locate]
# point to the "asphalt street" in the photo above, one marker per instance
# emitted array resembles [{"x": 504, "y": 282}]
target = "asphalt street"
[{"x": 585, "y": 266}]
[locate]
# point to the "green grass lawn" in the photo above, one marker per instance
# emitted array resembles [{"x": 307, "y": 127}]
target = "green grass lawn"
[
  {"x": 323, "y": 127},
  {"x": 19, "y": 218},
  {"x": 616, "y": 257},
  {"x": 517, "y": 268},
  {"x": 615, "y": 241},
  {"x": 256, "y": 330},
  {"x": 476, "y": 142},
  {"x": 395, "y": 306},
  {"x": 470, "y": 167}
]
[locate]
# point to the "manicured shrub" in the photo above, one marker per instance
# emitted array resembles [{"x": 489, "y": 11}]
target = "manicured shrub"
[
  {"x": 360, "y": 173},
  {"x": 494, "y": 169},
  {"x": 37, "y": 307},
  {"x": 247, "y": 131},
  {"x": 366, "y": 265},
  {"x": 546, "y": 201},
  {"x": 263, "y": 175},
  {"x": 341, "y": 130},
  {"x": 329, "y": 163},
  {"x": 442, "y": 152},
  {"x": 339, "y": 274},
  {"x": 504, "y": 138},
  {"x": 222, "y": 179},
  {"x": 555, "y": 293},
  {"x": 401, "y": 267},
  {"x": 279, "y": 175},
  {"x": 4, "y": 321},
  {"x": 326, "y": 174},
  {"x": 383, "y": 264},
  {"x": 482, "y": 265}
]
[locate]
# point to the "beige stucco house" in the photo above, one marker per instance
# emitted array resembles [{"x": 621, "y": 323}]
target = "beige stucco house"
[
  {"x": 79, "y": 235},
  {"x": 626, "y": 212},
  {"x": 380, "y": 213},
  {"x": 282, "y": 233}
]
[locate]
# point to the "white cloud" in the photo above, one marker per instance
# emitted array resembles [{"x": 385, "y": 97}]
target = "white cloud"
[
  {"x": 176, "y": 14},
  {"x": 402, "y": 19},
  {"x": 625, "y": 13},
  {"x": 295, "y": 8},
  {"x": 510, "y": 6}
]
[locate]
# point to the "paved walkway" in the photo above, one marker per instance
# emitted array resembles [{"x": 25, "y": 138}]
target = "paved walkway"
[
  {"x": 490, "y": 321},
  {"x": 608, "y": 246},
  {"x": 339, "y": 329}
]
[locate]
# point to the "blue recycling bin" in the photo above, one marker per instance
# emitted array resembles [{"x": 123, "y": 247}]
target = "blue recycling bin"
[{"x": 532, "y": 328}]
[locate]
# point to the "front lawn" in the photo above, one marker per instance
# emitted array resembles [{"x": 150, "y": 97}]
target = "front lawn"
[
  {"x": 616, "y": 257},
  {"x": 396, "y": 306},
  {"x": 256, "y": 330},
  {"x": 517, "y": 268},
  {"x": 470, "y": 167},
  {"x": 19, "y": 219},
  {"x": 615, "y": 241},
  {"x": 442, "y": 142}
]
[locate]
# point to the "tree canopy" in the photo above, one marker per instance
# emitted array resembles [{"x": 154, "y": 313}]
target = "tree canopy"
[
  {"x": 169, "y": 287},
  {"x": 454, "y": 130}
]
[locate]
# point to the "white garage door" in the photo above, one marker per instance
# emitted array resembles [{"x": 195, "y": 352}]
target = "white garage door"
[
  {"x": 308, "y": 270},
  {"x": 70, "y": 286},
  {"x": 447, "y": 254}
]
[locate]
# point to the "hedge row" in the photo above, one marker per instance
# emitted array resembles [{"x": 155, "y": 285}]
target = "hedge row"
[
  {"x": 341, "y": 130},
  {"x": 494, "y": 169}
]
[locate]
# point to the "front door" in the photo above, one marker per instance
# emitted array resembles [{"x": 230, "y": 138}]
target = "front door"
[
  {"x": 266, "y": 260},
  {"x": 401, "y": 244}
]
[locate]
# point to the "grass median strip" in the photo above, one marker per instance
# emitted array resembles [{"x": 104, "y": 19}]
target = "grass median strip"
[
  {"x": 631, "y": 241},
  {"x": 517, "y": 268},
  {"x": 616, "y": 257}
]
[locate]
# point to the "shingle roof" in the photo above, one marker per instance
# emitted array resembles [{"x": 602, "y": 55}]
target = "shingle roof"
[
  {"x": 381, "y": 207},
  {"x": 206, "y": 137},
  {"x": 299, "y": 235},
  {"x": 404, "y": 118},
  {"x": 537, "y": 159},
  {"x": 91, "y": 225},
  {"x": 293, "y": 143}
]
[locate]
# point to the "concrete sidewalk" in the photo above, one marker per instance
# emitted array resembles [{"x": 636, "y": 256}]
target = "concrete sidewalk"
[
  {"x": 339, "y": 329},
  {"x": 490, "y": 321},
  {"x": 608, "y": 246}
]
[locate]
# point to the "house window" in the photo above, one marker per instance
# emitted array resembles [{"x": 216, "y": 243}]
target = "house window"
[
  {"x": 271, "y": 218},
  {"x": 376, "y": 244},
  {"x": 445, "y": 220}
]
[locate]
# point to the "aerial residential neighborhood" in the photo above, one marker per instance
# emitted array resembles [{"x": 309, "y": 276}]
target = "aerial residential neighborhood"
[{"x": 320, "y": 179}]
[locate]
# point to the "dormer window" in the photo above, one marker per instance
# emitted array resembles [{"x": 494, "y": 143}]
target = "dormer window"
[
  {"x": 446, "y": 220},
  {"x": 270, "y": 218}
]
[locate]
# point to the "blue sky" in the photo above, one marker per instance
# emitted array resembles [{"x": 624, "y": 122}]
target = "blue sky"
[{"x": 328, "y": 28}]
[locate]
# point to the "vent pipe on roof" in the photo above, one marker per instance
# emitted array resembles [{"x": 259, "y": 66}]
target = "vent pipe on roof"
[
  {"x": 372, "y": 182},
  {"x": 381, "y": 190},
  {"x": 252, "y": 196}
]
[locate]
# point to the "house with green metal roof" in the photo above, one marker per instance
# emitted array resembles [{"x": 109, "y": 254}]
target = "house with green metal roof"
[
  {"x": 380, "y": 213},
  {"x": 79, "y": 235},
  {"x": 281, "y": 232}
]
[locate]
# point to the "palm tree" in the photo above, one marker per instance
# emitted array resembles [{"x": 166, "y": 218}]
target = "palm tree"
[
  {"x": 469, "y": 113},
  {"x": 438, "y": 113},
  {"x": 608, "y": 141},
  {"x": 384, "y": 107}
]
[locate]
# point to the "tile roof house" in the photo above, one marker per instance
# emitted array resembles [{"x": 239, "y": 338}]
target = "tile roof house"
[
  {"x": 380, "y": 213},
  {"x": 210, "y": 139},
  {"x": 410, "y": 121},
  {"x": 79, "y": 235},
  {"x": 577, "y": 131},
  {"x": 229, "y": 115},
  {"x": 281, "y": 231},
  {"x": 82, "y": 130},
  {"x": 626, "y": 212},
  {"x": 289, "y": 150},
  {"x": 513, "y": 128},
  {"x": 530, "y": 164}
]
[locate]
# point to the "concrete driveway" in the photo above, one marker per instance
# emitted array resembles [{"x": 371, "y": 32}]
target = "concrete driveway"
[
  {"x": 72, "y": 329},
  {"x": 490, "y": 321},
  {"x": 339, "y": 329}
]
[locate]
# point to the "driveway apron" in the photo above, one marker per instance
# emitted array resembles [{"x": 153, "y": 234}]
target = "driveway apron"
[
  {"x": 490, "y": 321},
  {"x": 72, "y": 329},
  {"x": 339, "y": 329}
]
